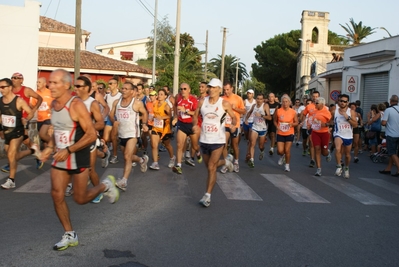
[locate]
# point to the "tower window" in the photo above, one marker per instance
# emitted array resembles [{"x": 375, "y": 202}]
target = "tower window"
[{"x": 315, "y": 35}]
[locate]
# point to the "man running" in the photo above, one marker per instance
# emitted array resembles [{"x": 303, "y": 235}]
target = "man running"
[
  {"x": 248, "y": 103},
  {"x": 271, "y": 128}
]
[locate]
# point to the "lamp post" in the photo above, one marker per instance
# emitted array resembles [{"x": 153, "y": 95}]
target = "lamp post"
[
  {"x": 382, "y": 28},
  {"x": 237, "y": 76}
]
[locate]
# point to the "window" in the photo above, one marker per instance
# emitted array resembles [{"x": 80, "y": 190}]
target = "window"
[
  {"x": 126, "y": 55},
  {"x": 315, "y": 35}
]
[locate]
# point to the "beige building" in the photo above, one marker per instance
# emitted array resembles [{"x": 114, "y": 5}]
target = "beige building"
[{"x": 314, "y": 53}]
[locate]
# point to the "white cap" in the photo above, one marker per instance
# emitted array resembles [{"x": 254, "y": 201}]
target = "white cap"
[
  {"x": 250, "y": 91},
  {"x": 215, "y": 82}
]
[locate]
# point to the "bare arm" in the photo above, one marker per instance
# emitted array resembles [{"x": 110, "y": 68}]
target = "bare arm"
[
  {"x": 100, "y": 99},
  {"x": 22, "y": 105},
  {"x": 98, "y": 118},
  {"x": 227, "y": 107},
  {"x": 113, "y": 112},
  {"x": 266, "y": 108},
  {"x": 30, "y": 93},
  {"x": 140, "y": 108}
]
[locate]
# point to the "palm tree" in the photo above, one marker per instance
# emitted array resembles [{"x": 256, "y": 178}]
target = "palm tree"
[
  {"x": 230, "y": 68},
  {"x": 356, "y": 32}
]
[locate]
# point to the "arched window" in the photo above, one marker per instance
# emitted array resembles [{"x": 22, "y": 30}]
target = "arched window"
[{"x": 315, "y": 35}]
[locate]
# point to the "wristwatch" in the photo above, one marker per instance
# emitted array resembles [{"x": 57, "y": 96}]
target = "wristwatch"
[
  {"x": 349, "y": 118},
  {"x": 187, "y": 110}
]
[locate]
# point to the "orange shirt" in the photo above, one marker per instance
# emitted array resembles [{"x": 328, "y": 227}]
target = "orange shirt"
[
  {"x": 319, "y": 118},
  {"x": 238, "y": 103},
  {"x": 150, "y": 109},
  {"x": 44, "y": 111},
  {"x": 284, "y": 118}
]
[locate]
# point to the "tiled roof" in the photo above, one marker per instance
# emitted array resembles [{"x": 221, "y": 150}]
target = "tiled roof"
[
  {"x": 64, "y": 58},
  {"x": 51, "y": 25}
]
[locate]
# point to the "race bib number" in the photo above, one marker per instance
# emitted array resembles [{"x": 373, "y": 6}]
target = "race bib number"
[
  {"x": 272, "y": 111},
  {"x": 123, "y": 115},
  {"x": 284, "y": 127},
  {"x": 62, "y": 138},
  {"x": 8, "y": 121},
  {"x": 43, "y": 106},
  {"x": 258, "y": 120},
  {"x": 183, "y": 115},
  {"x": 344, "y": 127},
  {"x": 316, "y": 126},
  {"x": 229, "y": 120},
  {"x": 210, "y": 128},
  {"x": 158, "y": 123}
]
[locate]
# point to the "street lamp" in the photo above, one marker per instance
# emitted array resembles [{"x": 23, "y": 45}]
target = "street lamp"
[
  {"x": 382, "y": 28},
  {"x": 237, "y": 76}
]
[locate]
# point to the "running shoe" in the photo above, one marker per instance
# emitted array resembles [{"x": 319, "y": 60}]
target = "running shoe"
[
  {"x": 328, "y": 158},
  {"x": 112, "y": 192},
  {"x": 318, "y": 172},
  {"x": 67, "y": 240},
  {"x": 36, "y": 148},
  {"x": 312, "y": 163},
  {"x": 187, "y": 154},
  {"x": 8, "y": 184},
  {"x": 190, "y": 162},
  {"x": 154, "y": 166},
  {"x": 114, "y": 159},
  {"x": 134, "y": 164},
  {"x": 143, "y": 165},
  {"x": 97, "y": 199},
  {"x": 177, "y": 169},
  {"x": 356, "y": 160},
  {"x": 346, "y": 173},
  {"x": 262, "y": 154},
  {"x": 172, "y": 162},
  {"x": 161, "y": 148},
  {"x": 199, "y": 158},
  {"x": 224, "y": 169},
  {"x": 69, "y": 190},
  {"x": 105, "y": 161},
  {"x": 205, "y": 201},
  {"x": 5, "y": 168},
  {"x": 120, "y": 183},
  {"x": 247, "y": 157},
  {"x": 251, "y": 163},
  {"x": 39, "y": 164},
  {"x": 338, "y": 171},
  {"x": 287, "y": 168},
  {"x": 281, "y": 160},
  {"x": 236, "y": 167},
  {"x": 304, "y": 153},
  {"x": 271, "y": 151}
]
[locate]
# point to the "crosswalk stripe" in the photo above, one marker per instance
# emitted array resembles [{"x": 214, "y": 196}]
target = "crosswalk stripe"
[
  {"x": 383, "y": 184},
  {"x": 40, "y": 184},
  {"x": 296, "y": 191},
  {"x": 235, "y": 188},
  {"x": 20, "y": 167},
  {"x": 354, "y": 192}
]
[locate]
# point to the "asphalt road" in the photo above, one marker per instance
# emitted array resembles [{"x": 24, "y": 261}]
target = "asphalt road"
[{"x": 258, "y": 217}]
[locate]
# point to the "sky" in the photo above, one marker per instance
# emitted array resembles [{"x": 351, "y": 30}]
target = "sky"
[{"x": 248, "y": 23}]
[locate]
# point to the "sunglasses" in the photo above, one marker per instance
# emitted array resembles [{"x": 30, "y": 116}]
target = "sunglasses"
[
  {"x": 100, "y": 88},
  {"x": 183, "y": 89},
  {"x": 4, "y": 86},
  {"x": 16, "y": 78},
  {"x": 79, "y": 86},
  {"x": 343, "y": 101},
  {"x": 317, "y": 103}
]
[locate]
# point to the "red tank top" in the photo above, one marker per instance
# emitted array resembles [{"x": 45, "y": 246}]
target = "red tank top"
[{"x": 21, "y": 94}]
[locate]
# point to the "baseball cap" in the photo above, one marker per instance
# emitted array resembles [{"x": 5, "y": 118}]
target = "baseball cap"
[
  {"x": 215, "y": 82},
  {"x": 250, "y": 91},
  {"x": 153, "y": 93},
  {"x": 18, "y": 75}
]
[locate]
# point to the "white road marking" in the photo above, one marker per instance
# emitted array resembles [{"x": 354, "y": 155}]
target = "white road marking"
[
  {"x": 20, "y": 167},
  {"x": 235, "y": 188},
  {"x": 352, "y": 191},
  {"x": 384, "y": 184},
  {"x": 296, "y": 191}
]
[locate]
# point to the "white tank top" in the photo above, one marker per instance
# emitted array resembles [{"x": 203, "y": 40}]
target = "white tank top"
[
  {"x": 259, "y": 122},
  {"x": 129, "y": 119},
  {"x": 213, "y": 122},
  {"x": 88, "y": 103},
  {"x": 110, "y": 99},
  {"x": 342, "y": 127},
  {"x": 248, "y": 106}
]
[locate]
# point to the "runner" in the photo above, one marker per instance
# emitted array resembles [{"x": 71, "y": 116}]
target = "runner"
[
  {"x": 73, "y": 134},
  {"x": 271, "y": 129},
  {"x": 248, "y": 103},
  {"x": 285, "y": 121},
  {"x": 213, "y": 110},
  {"x": 111, "y": 129}
]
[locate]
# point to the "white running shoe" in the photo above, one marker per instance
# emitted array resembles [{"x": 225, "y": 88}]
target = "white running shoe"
[
  {"x": 69, "y": 190},
  {"x": 346, "y": 173},
  {"x": 121, "y": 184},
  {"x": 143, "y": 166},
  {"x": 187, "y": 154},
  {"x": 318, "y": 172},
  {"x": 68, "y": 240},
  {"x": 154, "y": 166},
  {"x": 114, "y": 159},
  {"x": 105, "y": 161},
  {"x": 112, "y": 192},
  {"x": 281, "y": 160},
  {"x": 236, "y": 167},
  {"x": 328, "y": 158},
  {"x": 8, "y": 184},
  {"x": 224, "y": 169},
  {"x": 287, "y": 168},
  {"x": 37, "y": 153},
  {"x": 205, "y": 201},
  {"x": 338, "y": 171},
  {"x": 172, "y": 162}
]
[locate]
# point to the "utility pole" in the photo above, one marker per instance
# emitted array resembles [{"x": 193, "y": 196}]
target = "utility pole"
[
  {"x": 223, "y": 49},
  {"x": 78, "y": 37},
  {"x": 177, "y": 51},
  {"x": 237, "y": 76},
  {"x": 206, "y": 56},
  {"x": 154, "y": 53}
]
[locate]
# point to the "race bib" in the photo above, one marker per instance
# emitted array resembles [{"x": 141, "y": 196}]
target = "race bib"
[
  {"x": 229, "y": 120},
  {"x": 284, "y": 127},
  {"x": 316, "y": 126},
  {"x": 210, "y": 128},
  {"x": 272, "y": 111},
  {"x": 158, "y": 123},
  {"x": 258, "y": 120},
  {"x": 123, "y": 115},
  {"x": 344, "y": 128},
  {"x": 62, "y": 138},
  {"x": 8, "y": 121}
]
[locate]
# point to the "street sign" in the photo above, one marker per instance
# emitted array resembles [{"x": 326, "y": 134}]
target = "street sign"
[
  {"x": 351, "y": 84},
  {"x": 334, "y": 95}
]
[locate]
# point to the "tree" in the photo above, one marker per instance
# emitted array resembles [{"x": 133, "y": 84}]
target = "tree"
[
  {"x": 276, "y": 66},
  {"x": 230, "y": 68},
  {"x": 254, "y": 84},
  {"x": 356, "y": 32},
  {"x": 335, "y": 39}
]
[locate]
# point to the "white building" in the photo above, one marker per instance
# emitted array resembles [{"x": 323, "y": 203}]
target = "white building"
[{"x": 128, "y": 51}]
